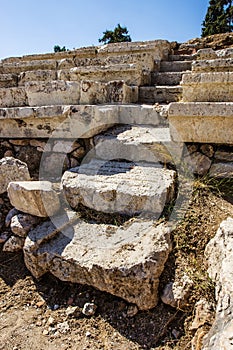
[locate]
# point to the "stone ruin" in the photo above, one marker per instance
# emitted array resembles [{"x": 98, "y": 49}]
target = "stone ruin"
[{"x": 111, "y": 129}]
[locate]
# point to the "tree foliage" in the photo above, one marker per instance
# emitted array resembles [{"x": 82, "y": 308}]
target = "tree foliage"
[
  {"x": 118, "y": 35},
  {"x": 219, "y": 18},
  {"x": 57, "y": 48}
]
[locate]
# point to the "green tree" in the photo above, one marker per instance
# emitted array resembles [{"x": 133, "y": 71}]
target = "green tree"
[
  {"x": 219, "y": 18},
  {"x": 118, "y": 35},
  {"x": 57, "y": 48}
]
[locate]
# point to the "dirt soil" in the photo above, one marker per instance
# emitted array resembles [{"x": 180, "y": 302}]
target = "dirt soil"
[{"x": 34, "y": 313}]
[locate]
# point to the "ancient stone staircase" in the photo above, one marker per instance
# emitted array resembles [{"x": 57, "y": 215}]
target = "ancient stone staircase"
[
  {"x": 115, "y": 99},
  {"x": 165, "y": 83}
]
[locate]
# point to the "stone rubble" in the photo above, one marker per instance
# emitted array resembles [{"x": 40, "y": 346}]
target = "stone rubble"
[
  {"x": 34, "y": 197},
  {"x": 53, "y": 108},
  {"x": 219, "y": 254},
  {"x": 12, "y": 169}
]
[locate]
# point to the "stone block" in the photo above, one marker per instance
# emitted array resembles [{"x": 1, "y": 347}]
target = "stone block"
[
  {"x": 215, "y": 65},
  {"x": 125, "y": 261},
  {"x": 12, "y": 169},
  {"x": 52, "y": 93},
  {"x": 119, "y": 187},
  {"x": 134, "y": 143},
  {"x": 222, "y": 170},
  {"x": 219, "y": 254},
  {"x": 203, "y": 122},
  {"x": 73, "y": 121},
  {"x": 208, "y": 87},
  {"x": 23, "y": 66},
  {"x": 13, "y": 97},
  {"x": 8, "y": 80},
  {"x": 111, "y": 92},
  {"x": 132, "y": 74},
  {"x": 37, "y": 75},
  {"x": 34, "y": 197}
]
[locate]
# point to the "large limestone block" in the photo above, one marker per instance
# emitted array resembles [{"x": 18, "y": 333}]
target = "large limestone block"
[
  {"x": 111, "y": 92},
  {"x": 204, "y": 122},
  {"x": 8, "y": 80},
  {"x": 37, "y": 75},
  {"x": 12, "y": 169},
  {"x": 208, "y": 87},
  {"x": 125, "y": 261},
  {"x": 134, "y": 143},
  {"x": 73, "y": 121},
  {"x": 159, "y": 48},
  {"x": 221, "y": 170},
  {"x": 215, "y": 65},
  {"x": 121, "y": 187},
  {"x": 131, "y": 74},
  {"x": 23, "y": 66},
  {"x": 219, "y": 253},
  {"x": 52, "y": 93},
  {"x": 13, "y": 97},
  {"x": 34, "y": 197}
]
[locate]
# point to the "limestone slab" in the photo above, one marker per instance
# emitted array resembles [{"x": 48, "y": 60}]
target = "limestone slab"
[
  {"x": 34, "y": 197},
  {"x": 37, "y": 75},
  {"x": 208, "y": 87},
  {"x": 52, "y": 93},
  {"x": 112, "y": 92},
  {"x": 159, "y": 94},
  {"x": 72, "y": 121},
  {"x": 219, "y": 255},
  {"x": 8, "y": 80},
  {"x": 204, "y": 122},
  {"x": 12, "y": 169},
  {"x": 131, "y": 73},
  {"x": 125, "y": 261},
  {"x": 215, "y": 65},
  {"x": 13, "y": 97},
  {"x": 134, "y": 143},
  {"x": 24, "y": 65},
  {"x": 119, "y": 187}
]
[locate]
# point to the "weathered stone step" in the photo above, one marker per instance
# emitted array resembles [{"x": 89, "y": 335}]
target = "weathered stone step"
[
  {"x": 215, "y": 65},
  {"x": 175, "y": 66},
  {"x": 23, "y": 66},
  {"x": 67, "y": 92},
  {"x": 132, "y": 74},
  {"x": 8, "y": 80},
  {"x": 159, "y": 94},
  {"x": 72, "y": 121},
  {"x": 208, "y": 87},
  {"x": 203, "y": 122},
  {"x": 166, "y": 78},
  {"x": 134, "y": 143},
  {"x": 126, "y": 261},
  {"x": 181, "y": 57},
  {"x": 119, "y": 187}
]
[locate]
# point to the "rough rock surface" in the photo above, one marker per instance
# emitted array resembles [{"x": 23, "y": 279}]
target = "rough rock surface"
[
  {"x": 203, "y": 122},
  {"x": 14, "y": 244},
  {"x": 135, "y": 143},
  {"x": 176, "y": 293},
  {"x": 219, "y": 253},
  {"x": 125, "y": 261},
  {"x": 72, "y": 121},
  {"x": 12, "y": 169},
  {"x": 22, "y": 223},
  {"x": 120, "y": 187},
  {"x": 34, "y": 197}
]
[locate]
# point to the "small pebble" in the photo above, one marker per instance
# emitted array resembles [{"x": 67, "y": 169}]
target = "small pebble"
[
  {"x": 56, "y": 307},
  {"x": 89, "y": 309},
  {"x": 45, "y": 332},
  {"x": 88, "y": 334}
]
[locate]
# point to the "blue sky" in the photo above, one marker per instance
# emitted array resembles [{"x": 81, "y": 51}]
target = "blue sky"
[{"x": 35, "y": 26}]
